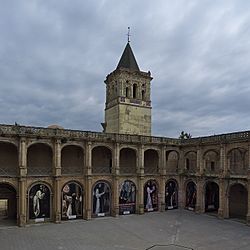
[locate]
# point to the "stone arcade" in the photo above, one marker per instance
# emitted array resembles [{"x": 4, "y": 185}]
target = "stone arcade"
[{"x": 54, "y": 174}]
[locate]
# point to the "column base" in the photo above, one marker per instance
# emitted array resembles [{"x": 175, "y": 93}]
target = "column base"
[
  {"x": 220, "y": 213},
  {"x": 162, "y": 207},
  {"x": 22, "y": 220},
  {"x": 58, "y": 217},
  {"x": 88, "y": 215},
  {"x": 248, "y": 220},
  {"x": 141, "y": 209},
  {"x": 198, "y": 210},
  {"x": 115, "y": 212}
]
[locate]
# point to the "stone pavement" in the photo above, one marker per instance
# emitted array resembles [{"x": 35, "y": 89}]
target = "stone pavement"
[{"x": 170, "y": 230}]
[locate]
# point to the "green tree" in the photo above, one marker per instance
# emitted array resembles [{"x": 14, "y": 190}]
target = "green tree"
[{"x": 184, "y": 135}]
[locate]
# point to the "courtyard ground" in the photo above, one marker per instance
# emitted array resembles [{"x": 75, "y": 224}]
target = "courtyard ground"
[{"x": 170, "y": 230}]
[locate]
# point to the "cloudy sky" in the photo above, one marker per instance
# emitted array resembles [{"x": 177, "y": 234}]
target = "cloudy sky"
[{"x": 55, "y": 55}]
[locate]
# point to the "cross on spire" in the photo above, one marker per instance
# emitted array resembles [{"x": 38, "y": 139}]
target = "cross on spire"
[{"x": 128, "y": 34}]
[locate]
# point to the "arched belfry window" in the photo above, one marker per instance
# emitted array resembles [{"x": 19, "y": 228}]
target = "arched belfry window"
[
  {"x": 134, "y": 91},
  {"x": 127, "y": 92},
  {"x": 143, "y": 95}
]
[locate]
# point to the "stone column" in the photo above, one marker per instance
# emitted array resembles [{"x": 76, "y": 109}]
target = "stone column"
[
  {"x": 22, "y": 218},
  {"x": 88, "y": 198},
  {"x": 199, "y": 165},
  {"x": 57, "y": 200},
  {"x": 200, "y": 208},
  {"x": 162, "y": 170},
  {"x": 222, "y": 197},
  {"x": 57, "y": 158},
  {"x": 140, "y": 160},
  {"x": 223, "y": 160},
  {"x": 181, "y": 162},
  {"x": 116, "y": 160},
  {"x": 57, "y": 173},
  {"x": 181, "y": 193},
  {"x": 88, "y": 181},
  {"x": 140, "y": 172},
  {"x": 22, "y": 207},
  {"x": 88, "y": 159},
  {"x": 248, "y": 189},
  {"x": 116, "y": 172},
  {"x": 22, "y": 157}
]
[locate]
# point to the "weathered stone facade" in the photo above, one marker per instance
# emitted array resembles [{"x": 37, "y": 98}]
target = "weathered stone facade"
[
  {"x": 31, "y": 155},
  {"x": 52, "y": 174}
]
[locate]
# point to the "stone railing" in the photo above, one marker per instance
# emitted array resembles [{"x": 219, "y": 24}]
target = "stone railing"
[
  {"x": 18, "y": 130},
  {"x": 12, "y": 130}
]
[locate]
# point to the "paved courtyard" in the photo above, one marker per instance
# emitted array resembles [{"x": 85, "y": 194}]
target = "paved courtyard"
[{"x": 171, "y": 230}]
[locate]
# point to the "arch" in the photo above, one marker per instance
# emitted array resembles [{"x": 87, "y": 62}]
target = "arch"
[
  {"x": 72, "y": 160},
  {"x": 101, "y": 201},
  {"x": 151, "y": 161},
  {"x": 134, "y": 91},
  {"x": 101, "y": 160},
  {"x": 127, "y": 92},
  {"x": 191, "y": 195},
  {"x": 171, "y": 194},
  {"x": 8, "y": 203},
  {"x": 8, "y": 159},
  {"x": 191, "y": 161},
  {"x": 39, "y": 159},
  {"x": 127, "y": 161},
  {"x": 238, "y": 160},
  {"x": 212, "y": 161},
  {"x": 39, "y": 202},
  {"x": 172, "y": 159},
  {"x": 143, "y": 95},
  {"x": 211, "y": 196},
  {"x": 127, "y": 197},
  {"x": 151, "y": 196},
  {"x": 72, "y": 201},
  {"x": 238, "y": 199}
]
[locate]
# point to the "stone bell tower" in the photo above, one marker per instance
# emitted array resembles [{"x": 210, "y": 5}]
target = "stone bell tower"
[{"x": 128, "y": 104}]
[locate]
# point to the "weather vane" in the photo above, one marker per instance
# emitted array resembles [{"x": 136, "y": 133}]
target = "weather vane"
[{"x": 128, "y": 34}]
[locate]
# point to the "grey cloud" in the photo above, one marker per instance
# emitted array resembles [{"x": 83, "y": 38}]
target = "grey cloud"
[{"x": 54, "y": 56}]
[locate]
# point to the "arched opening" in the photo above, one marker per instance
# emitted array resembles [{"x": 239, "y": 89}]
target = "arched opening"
[
  {"x": 171, "y": 195},
  {"x": 238, "y": 198},
  {"x": 151, "y": 160},
  {"x": 127, "y": 161},
  {"x": 8, "y": 204},
  {"x": 39, "y": 202},
  {"x": 72, "y": 160},
  {"x": 238, "y": 160},
  {"x": 150, "y": 196},
  {"x": 101, "y": 199},
  {"x": 72, "y": 201},
  {"x": 191, "y": 195},
  {"x": 143, "y": 95},
  {"x": 101, "y": 160},
  {"x": 212, "y": 162},
  {"x": 212, "y": 197},
  {"x": 8, "y": 159},
  {"x": 39, "y": 159},
  {"x": 172, "y": 158},
  {"x": 127, "y": 92},
  {"x": 127, "y": 198},
  {"x": 134, "y": 91},
  {"x": 191, "y": 162}
]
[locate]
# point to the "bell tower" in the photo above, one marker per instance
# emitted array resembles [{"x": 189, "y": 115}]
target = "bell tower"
[{"x": 128, "y": 104}]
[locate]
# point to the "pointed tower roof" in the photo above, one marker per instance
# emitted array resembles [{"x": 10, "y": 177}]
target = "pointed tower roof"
[{"x": 128, "y": 60}]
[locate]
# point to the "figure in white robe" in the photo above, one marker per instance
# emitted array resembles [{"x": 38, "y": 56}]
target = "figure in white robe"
[
  {"x": 98, "y": 205},
  {"x": 36, "y": 201},
  {"x": 149, "y": 204}
]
